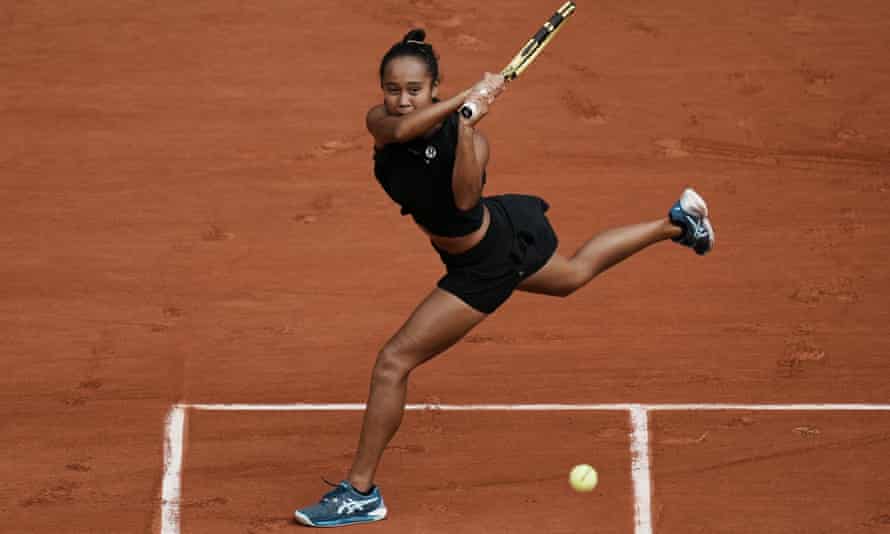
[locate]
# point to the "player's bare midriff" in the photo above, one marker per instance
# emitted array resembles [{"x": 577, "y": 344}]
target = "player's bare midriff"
[{"x": 459, "y": 245}]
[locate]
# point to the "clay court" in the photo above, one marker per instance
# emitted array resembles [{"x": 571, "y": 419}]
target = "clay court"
[{"x": 199, "y": 269}]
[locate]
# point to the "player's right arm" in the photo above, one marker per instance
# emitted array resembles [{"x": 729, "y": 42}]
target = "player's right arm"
[{"x": 388, "y": 128}]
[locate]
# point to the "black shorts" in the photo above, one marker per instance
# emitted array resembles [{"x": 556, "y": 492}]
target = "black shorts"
[{"x": 518, "y": 242}]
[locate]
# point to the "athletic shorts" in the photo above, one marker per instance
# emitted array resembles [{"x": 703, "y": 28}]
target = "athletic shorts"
[{"x": 518, "y": 242}]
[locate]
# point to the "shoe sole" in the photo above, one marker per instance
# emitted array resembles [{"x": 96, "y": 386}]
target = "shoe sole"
[
  {"x": 303, "y": 520},
  {"x": 692, "y": 203}
]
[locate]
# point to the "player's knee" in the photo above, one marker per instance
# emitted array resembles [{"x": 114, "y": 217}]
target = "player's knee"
[
  {"x": 573, "y": 282},
  {"x": 572, "y": 279},
  {"x": 391, "y": 365},
  {"x": 564, "y": 291}
]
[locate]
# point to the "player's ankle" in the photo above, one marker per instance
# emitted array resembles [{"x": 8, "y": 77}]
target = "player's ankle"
[
  {"x": 362, "y": 486},
  {"x": 671, "y": 230}
]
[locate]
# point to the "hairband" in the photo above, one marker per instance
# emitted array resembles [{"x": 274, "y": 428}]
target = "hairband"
[{"x": 412, "y": 41}]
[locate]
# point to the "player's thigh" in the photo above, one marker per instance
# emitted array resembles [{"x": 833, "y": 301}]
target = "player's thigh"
[
  {"x": 438, "y": 322},
  {"x": 558, "y": 277}
]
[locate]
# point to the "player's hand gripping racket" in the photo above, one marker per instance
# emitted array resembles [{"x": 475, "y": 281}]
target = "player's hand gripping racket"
[{"x": 530, "y": 51}]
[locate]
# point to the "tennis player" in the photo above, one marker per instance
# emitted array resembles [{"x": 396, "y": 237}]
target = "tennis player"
[{"x": 431, "y": 161}]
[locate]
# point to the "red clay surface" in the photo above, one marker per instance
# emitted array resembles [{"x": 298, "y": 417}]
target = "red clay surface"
[
  {"x": 190, "y": 216},
  {"x": 790, "y": 472},
  {"x": 449, "y": 472}
]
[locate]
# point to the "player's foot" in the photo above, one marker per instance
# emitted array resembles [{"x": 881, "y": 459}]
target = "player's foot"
[
  {"x": 342, "y": 506},
  {"x": 690, "y": 213}
]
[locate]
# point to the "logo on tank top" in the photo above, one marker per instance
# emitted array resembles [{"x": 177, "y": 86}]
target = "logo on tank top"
[{"x": 430, "y": 152}]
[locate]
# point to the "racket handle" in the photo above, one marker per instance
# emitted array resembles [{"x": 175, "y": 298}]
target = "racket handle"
[{"x": 468, "y": 110}]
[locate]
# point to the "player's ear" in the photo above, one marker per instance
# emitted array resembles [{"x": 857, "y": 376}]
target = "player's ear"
[{"x": 435, "y": 90}]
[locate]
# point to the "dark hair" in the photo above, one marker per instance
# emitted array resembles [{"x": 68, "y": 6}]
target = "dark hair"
[{"x": 413, "y": 45}]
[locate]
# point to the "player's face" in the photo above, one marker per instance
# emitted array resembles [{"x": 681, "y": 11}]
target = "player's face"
[{"x": 407, "y": 85}]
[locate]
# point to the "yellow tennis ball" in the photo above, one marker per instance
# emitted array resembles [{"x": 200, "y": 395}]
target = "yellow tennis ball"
[{"x": 583, "y": 478}]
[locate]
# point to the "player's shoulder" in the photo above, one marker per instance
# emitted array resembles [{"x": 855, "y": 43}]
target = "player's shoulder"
[
  {"x": 376, "y": 113},
  {"x": 372, "y": 123}
]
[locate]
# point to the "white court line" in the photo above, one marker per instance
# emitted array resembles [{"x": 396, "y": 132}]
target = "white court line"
[
  {"x": 639, "y": 467},
  {"x": 171, "y": 488},
  {"x": 771, "y": 407},
  {"x": 412, "y": 407},
  {"x": 545, "y": 407}
]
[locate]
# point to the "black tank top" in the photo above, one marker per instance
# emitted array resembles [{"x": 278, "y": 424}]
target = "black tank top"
[{"x": 417, "y": 175}]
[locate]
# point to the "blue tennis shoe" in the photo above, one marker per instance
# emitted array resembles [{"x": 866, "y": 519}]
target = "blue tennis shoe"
[
  {"x": 690, "y": 213},
  {"x": 343, "y": 506}
]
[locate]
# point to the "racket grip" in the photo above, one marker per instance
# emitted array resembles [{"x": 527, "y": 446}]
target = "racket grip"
[{"x": 468, "y": 110}]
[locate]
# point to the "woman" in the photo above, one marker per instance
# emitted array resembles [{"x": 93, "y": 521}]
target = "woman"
[{"x": 431, "y": 161}]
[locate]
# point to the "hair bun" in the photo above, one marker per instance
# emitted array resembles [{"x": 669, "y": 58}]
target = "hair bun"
[{"x": 416, "y": 35}]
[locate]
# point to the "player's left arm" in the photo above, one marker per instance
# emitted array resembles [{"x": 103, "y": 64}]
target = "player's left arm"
[
  {"x": 469, "y": 166},
  {"x": 472, "y": 153}
]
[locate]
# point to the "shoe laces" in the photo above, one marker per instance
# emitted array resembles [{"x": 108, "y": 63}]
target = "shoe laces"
[
  {"x": 334, "y": 494},
  {"x": 696, "y": 226}
]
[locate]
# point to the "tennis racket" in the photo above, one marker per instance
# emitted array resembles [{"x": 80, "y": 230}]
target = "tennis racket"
[{"x": 530, "y": 51}]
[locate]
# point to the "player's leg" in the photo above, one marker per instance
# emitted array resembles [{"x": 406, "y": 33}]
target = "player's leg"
[
  {"x": 561, "y": 276},
  {"x": 438, "y": 323},
  {"x": 687, "y": 223},
  {"x": 435, "y": 325}
]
